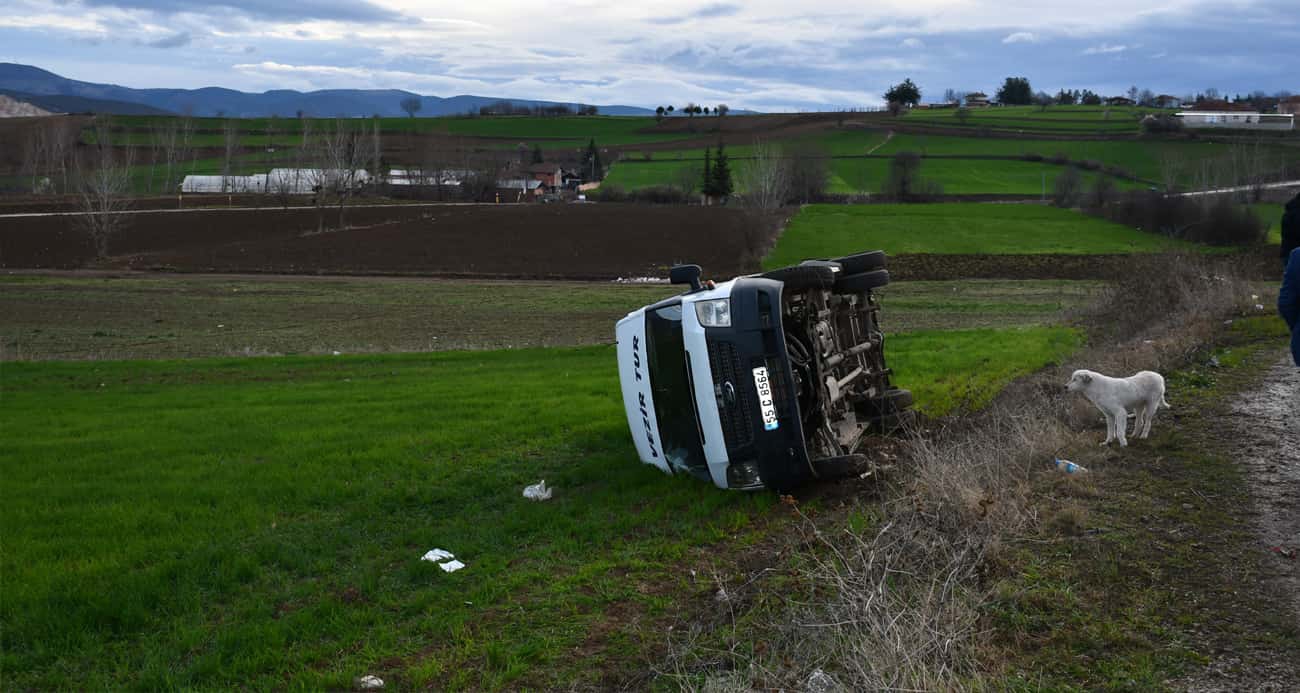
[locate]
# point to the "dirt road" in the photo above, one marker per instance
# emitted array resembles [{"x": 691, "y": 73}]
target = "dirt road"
[
  {"x": 1259, "y": 605},
  {"x": 1265, "y": 423}
]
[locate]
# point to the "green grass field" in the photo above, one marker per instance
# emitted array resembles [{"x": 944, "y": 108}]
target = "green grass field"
[
  {"x": 1272, "y": 215},
  {"x": 1141, "y": 157},
  {"x": 151, "y": 317},
  {"x": 915, "y": 306},
  {"x": 833, "y": 230},
  {"x": 958, "y": 176},
  {"x": 851, "y": 176},
  {"x": 1082, "y": 119},
  {"x": 258, "y": 523}
]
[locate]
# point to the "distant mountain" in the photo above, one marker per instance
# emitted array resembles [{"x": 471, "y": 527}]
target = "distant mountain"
[
  {"x": 80, "y": 104},
  {"x": 211, "y": 101}
]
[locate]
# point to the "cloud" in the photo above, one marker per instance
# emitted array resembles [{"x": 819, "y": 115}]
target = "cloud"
[
  {"x": 180, "y": 38},
  {"x": 1104, "y": 48},
  {"x": 761, "y": 54},
  {"x": 299, "y": 10},
  {"x": 717, "y": 9}
]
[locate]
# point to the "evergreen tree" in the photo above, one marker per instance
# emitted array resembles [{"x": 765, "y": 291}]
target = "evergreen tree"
[
  {"x": 591, "y": 163},
  {"x": 722, "y": 185},
  {"x": 1016, "y": 92},
  {"x": 706, "y": 185}
]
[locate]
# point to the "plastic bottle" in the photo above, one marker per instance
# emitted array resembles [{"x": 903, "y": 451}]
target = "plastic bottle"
[{"x": 1069, "y": 467}]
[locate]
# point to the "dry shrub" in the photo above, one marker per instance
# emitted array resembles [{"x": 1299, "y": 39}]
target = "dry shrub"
[
  {"x": 1214, "y": 220},
  {"x": 1175, "y": 298}
]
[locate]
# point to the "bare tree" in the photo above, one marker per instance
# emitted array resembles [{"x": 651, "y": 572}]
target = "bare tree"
[
  {"x": 764, "y": 178},
  {"x": 687, "y": 179},
  {"x": 168, "y": 138},
  {"x": 272, "y": 129},
  {"x": 103, "y": 188},
  {"x": 47, "y": 153},
  {"x": 185, "y": 149},
  {"x": 1251, "y": 165},
  {"x": 283, "y": 184},
  {"x": 377, "y": 152},
  {"x": 412, "y": 105},
  {"x": 1172, "y": 166},
  {"x": 34, "y": 157},
  {"x": 808, "y": 171},
  {"x": 1067, "y": 190},
  {"x": 343, "y": 154},
  {"x": 433, "y": 168},
  {"x": 230, "y": 141}
]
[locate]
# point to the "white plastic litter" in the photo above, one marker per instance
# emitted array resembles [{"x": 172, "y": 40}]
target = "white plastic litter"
[
  {"x": 1069, "y": 467},
  {"x": 445, "y": 560},
  {"x": 821, "y": 682},
  {"x": 370, "y": 682},
  {"x": 435, "y": 555},
  {"x": 538, "y": 491}
]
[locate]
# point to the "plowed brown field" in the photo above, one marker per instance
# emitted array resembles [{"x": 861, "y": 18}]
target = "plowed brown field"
[{"x": 597, "y": 241}]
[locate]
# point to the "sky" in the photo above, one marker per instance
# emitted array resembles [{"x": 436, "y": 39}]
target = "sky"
[{"x": 767, "y": 55}]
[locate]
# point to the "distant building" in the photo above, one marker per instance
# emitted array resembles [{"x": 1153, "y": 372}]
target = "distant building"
[
  {"x": 1289, "y": 105},
  {"x": 305, "y": 181},
  {"x": 527, "y": 186},
  {"x": 445, "y": 177},
  {"x": 288, "y": 181},
  {"x": 224, "y": 184},
  {"x": 977, "y": 99},
  {"x": 1167, "y": 101},
  {"x": 1119, "y": 101},
  {"x": 1218, "y": 106},
  {"x": 1237, "y": 120},
  {"x": 549, "y": 175}
]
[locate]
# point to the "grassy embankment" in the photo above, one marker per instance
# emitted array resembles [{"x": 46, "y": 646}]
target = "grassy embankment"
[{"x": 1146, "y": 569}]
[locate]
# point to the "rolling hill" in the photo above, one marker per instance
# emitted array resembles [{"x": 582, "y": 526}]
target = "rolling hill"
[
  {"x": 58, "y": 103},
  {"x": 211, "y": 101}
]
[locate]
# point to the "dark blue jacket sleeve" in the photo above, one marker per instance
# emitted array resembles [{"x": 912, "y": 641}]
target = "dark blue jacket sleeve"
[{"x": 1288, "y": 297}]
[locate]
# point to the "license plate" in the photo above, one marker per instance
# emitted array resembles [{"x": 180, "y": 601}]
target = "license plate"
[{"x": 766, "y": 404}]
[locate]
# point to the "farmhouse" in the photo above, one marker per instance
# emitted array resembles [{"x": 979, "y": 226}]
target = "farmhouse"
[
  {"x": 1237, "y": 120},
  {"x": 977, "y": 99},
  {"x": 1119, "y": 101},
  {"x": 548, "y": 175},
  {"x": 1167, "y": 101},
  {"x": 530, "y": 186},
  {"x": 1289, "y": 105}
]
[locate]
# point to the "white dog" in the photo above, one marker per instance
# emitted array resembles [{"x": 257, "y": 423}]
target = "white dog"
[{"x": 1142, "y": 393}]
